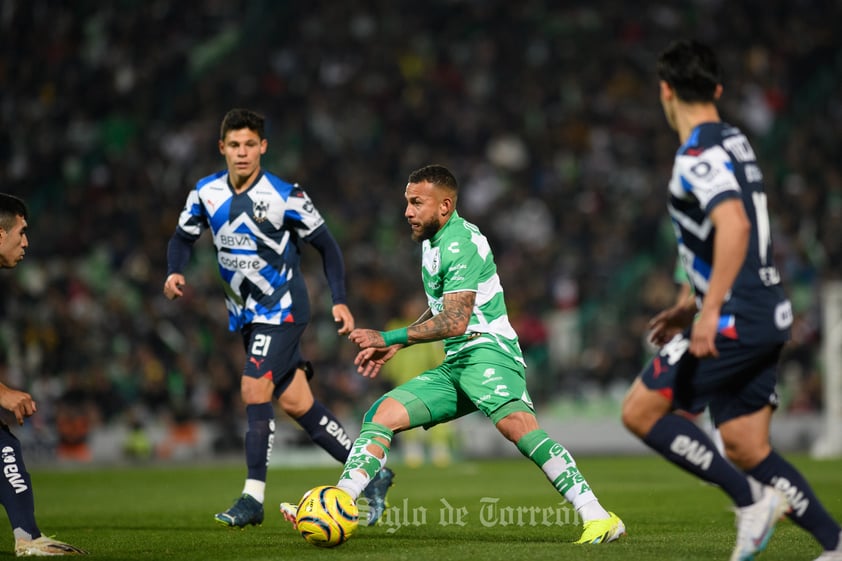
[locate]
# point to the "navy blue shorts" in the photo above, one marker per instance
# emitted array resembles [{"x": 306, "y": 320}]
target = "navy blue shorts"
[
  {"x": 274, "y": 352},
  {"x": 738, "y": 382}
]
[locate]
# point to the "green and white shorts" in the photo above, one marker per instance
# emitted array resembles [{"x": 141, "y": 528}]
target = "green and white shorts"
[{"x": 481, "y": 379}]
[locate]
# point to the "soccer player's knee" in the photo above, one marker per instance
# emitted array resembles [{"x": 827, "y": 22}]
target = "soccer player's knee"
[
  {"x": 745, "y": 454},
  {"x": 627, "y": 416},
  {"x": 390, "y": 413},
  {"x": 516, "y": 425},
  {"x": 635, "y": 418}
]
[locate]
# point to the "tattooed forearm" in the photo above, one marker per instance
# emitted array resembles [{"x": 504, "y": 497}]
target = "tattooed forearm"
[{"x": 452, "y": 321}]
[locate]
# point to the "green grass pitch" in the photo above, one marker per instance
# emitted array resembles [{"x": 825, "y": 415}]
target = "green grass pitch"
[{"x": 483, "y": 510}]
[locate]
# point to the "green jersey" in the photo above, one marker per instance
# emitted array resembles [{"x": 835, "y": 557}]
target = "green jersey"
[{"x": 459, "y": 258}]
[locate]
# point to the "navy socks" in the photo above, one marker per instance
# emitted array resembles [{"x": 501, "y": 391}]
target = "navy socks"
[
  {"x": 259, "y": 438},
  {"x": 680, "y": 441},
  {"x": 807, "y": 511},
  {"x": 326, "y": 431},
  {"x": 16, "y": 487}
]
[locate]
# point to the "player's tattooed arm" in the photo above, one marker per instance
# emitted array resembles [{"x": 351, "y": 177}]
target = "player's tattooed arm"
[{"x": 450, "y": 322}]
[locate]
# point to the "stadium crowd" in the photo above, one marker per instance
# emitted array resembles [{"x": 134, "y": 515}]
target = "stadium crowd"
[{"x": 544, "y": 111}]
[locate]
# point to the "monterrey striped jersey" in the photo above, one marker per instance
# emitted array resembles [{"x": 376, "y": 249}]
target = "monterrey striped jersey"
[
  {"x": 256, "y": 234},
  {"x": 718, "y": 163}
]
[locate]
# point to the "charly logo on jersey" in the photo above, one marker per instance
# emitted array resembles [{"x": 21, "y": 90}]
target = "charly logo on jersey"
[{"x": 261, "y": 211}]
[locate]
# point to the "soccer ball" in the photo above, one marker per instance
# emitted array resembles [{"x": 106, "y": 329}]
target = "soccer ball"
[{"x": 327, "y": 516}]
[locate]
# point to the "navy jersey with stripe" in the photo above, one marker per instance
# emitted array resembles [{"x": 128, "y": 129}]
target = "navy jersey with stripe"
[
  {"x": 717, "y": 163},
  {"x": 257, "y": 237}
]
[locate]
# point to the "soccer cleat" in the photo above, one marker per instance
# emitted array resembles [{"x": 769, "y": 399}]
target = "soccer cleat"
[
  {"x": 44, "y": 546},
  {"x": 246, "y": 510},
  {"x": 756, "y": 524},
  {"x": 290, "y": 511},
  {"x": 602, "y": 530},
  {"x": 375, "y": 495}
]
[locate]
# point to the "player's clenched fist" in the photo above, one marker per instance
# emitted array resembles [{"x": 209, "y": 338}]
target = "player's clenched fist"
[
  {"x": 18, "y": 402},
  {"x": 174, "y": 286}
]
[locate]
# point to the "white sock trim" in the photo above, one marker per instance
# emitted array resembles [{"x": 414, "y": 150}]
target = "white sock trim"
[{"x": 256, "y": 489}]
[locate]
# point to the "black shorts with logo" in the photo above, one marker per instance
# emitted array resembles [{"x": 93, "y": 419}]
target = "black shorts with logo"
[
  {"x": 274, "y": 351},
  {"x": 740, "y": 381}
]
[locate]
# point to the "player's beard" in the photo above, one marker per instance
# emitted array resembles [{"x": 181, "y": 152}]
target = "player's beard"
[{"x": 427, "y": 231}]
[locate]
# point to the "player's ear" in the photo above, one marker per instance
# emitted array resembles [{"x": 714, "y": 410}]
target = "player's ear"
[
  {"x": 264, "y": 144},
  {"x": 717, "y": 93},
  {"x": 446, "y": 205},
  {"x": 666, "y": 91},
  {"x": 221, "y": 147}
]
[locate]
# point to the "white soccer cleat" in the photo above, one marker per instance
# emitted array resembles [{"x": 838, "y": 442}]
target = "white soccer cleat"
[
  {"x": 290, "y": 512},
  {"x": 44, "y": 546},
  {"x": 756, "y": 523}
]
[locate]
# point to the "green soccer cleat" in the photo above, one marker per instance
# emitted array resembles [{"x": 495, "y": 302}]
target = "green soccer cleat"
[
  {"x": 246, "y": 510},
  {"x": 375, "y": 494},
  {"x": 603, "y": 530}
]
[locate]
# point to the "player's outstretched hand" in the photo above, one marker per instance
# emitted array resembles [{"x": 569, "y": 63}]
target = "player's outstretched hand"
[
  {"x": 342, "y": 315},
  {"x": 367, "y": 338},
  {"x": 369, "y": 361}
]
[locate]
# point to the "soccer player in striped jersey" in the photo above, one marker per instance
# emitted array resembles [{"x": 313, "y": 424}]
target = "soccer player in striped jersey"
[
  {"x": 258, "y": 222},
  {"x": 721, "y": 349},
  {"x": 16, "y": 485},
  {"x": 483, "y": 369}
]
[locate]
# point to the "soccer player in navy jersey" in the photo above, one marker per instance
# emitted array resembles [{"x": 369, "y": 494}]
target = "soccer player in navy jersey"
[
  {"x": 16, "y": 487},
  {"x": 721, "y": 349},
  {"x": 258, "y": 222}
]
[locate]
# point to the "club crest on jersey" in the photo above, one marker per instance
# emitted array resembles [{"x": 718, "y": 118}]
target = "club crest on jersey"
[
  {"x": 431, "y": 260},
  {"x": 261, "y": 210}
]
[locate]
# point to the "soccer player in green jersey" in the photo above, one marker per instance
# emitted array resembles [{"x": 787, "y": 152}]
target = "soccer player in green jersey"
[{"x": 483, "y": 367}]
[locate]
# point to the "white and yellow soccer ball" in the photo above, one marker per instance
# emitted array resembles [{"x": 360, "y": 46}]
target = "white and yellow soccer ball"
[{"x": 327, "y": 516}]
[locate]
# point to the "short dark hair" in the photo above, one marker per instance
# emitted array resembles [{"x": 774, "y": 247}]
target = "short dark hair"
[
  {"x": 237, "y": 119},
  {"x": 10, "y": 208},
  {"x": 691, "y": 69},
  {"x": 437, "y": 175}
]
